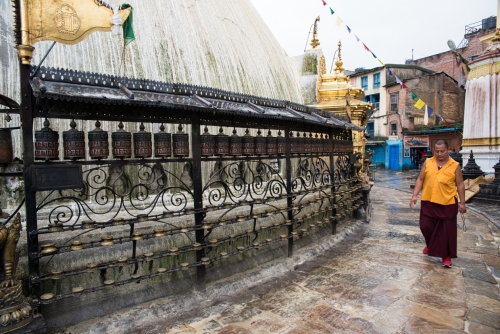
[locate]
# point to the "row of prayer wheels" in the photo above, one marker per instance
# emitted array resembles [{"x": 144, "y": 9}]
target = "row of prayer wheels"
[
  {"x": 47, "y": 143},
  {"x": 247, "y": 145}
]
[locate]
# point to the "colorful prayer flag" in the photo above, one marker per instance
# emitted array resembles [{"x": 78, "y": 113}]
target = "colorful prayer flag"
[
  {"x": 331, "y": 11},
  {"x": 373, "y": 54},
  {"x": 357, "y": 38},
  {"x": 381, "y": 62},
  {"x": 419, "y": 104},
  {"x": 366, "y": 48},
  {"x": 399, "y": 81},
  {"x": 339, "y": 21},
  {"x": 413, "y": 95},
  {"x": 426, "y": 115},
  {"x": 441, "y": 118},
  {"x": 348, "y": 29},
  {"x": 390, "y": 72},
  {"x": 324, "y": 2},
  {"x": 430, "y": 111}
]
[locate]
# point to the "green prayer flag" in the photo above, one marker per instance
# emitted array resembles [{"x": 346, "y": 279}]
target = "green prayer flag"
[
  {"x": 128, "y": 28},
  {"x": 373, "y": 54},
  {"x": 331, "y": 11},
  {"x": 413, "y": 95}
]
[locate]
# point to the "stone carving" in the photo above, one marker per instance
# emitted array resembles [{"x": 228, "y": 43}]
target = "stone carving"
[
  {"x": 186, "y": 177},
  {"x": 15, "y": 311},
  {"x": 15, "y": 184}
]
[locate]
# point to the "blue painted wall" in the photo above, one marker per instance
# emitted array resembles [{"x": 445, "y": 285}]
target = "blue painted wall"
[
  {"x": 399, "y": 145},
  {"x": 378, "y": 154}
]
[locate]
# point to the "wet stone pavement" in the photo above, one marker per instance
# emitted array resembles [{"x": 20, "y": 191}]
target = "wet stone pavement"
[{"x": 375, "y": 281}]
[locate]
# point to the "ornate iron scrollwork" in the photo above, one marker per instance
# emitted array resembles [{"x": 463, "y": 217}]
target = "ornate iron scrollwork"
[{"x": 109, "y": 190}]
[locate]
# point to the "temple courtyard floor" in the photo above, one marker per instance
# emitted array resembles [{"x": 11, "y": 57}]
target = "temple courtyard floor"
[{"x": 375, "y": 280}]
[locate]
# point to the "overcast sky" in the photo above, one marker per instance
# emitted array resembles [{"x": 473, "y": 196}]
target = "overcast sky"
[{"x": 390, "y": 28}]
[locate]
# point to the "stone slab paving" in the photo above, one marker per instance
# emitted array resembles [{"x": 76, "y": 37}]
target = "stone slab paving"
[{"x": 378, "y": 281}]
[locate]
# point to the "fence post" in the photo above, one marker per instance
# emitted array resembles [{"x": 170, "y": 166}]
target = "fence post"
[
  {"x": 289, "y": 202},
  {"x": 333, "y": 192},
  {"x": 28, "y": 155},
  {"x": 199, "y": 214}
]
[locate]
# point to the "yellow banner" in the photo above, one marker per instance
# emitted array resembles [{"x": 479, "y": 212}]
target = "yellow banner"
[
  {"x": 419, "y": 104},
  {"x": 68, "y": 21}
]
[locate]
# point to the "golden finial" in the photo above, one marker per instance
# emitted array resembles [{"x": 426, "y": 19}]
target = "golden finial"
[
  {"x": 339, "y": 62},
  {"x": 315, "y": 41}
]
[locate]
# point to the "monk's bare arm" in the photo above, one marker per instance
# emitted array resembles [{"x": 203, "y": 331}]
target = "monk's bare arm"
[
  {"x": 418, "y": 186},
  {"x": 459, "y": 179}
]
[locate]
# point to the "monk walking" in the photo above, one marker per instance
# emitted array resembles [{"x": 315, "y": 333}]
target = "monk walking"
[{"x": 439, "y": 180}]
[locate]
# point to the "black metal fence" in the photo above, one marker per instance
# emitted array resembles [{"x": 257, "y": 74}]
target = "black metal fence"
[{"x": 159, "y": 215}]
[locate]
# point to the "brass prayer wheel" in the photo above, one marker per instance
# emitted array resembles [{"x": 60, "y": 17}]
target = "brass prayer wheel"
[
  {"x": 74, "y": 143},
  {"x": 6, "y": 154},
  {"x": 163, "y": 143},
  {"x": 327, "y": 145},
  {"x": 98, "y": 142},
  {"x": 260, "y": 144},
  {"x": 207, "y": 143},
  {"x": 294, "y": 144},
  {"x": 301, "y": 141},
  {"x": 122, "y": 143},
  {"x": 316, "y": 144},
  {"x": 271, "y": 144},
  {"x": 46, "y": 143},
  {"x": 235, "y": 144},
  {"x": 143, "y": 146},
  {"x": 221, "y": 143},
  {"x": 180, "y": 143},
  {"x": 248, "y": 143},
  {"x": 307, "y": 144},
  {"x": 281, "y": 141}
]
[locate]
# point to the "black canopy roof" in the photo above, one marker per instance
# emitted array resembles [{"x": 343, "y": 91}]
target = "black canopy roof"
[{"x": 101, "y": 93}]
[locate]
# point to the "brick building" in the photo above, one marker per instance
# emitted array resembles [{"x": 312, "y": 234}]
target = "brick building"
[
  {"x": 395, "y": 115},
  {"x": 470, "y": 48}
]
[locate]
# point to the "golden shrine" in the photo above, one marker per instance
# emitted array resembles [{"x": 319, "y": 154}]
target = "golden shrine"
[{"x": 335, "y": 94}]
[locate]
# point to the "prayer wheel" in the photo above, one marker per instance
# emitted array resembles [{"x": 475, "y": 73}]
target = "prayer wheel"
[
  {"x": 235, "y": 144},
  {"x": 46, "y": 143},
  {"x": 318, "y": 145},
  {"x": 207, "y": 143},
  {"x": 6, "y": 150},
  {"x": 74, "y": 143},
  {"x": 248, "y": 143},
  {"x": 260, "y": 144},
  {"x": 327, "y": 145},
  {"x": 180, "y": 143},
  {"x": 271, "y": 144},
  {"x": 294, "y": 144},
  {"x": 281, "y": 141},
  {"x": 301, "y": 142},
  {"x": 98, "y": 142},
  {"x": 143, "y": 146},
  {"x": 221, "y": 143},
  {"x": 163, "y": 143},
  {"x": 122, "y": 143},
  {"x": 307, "y": 144}
]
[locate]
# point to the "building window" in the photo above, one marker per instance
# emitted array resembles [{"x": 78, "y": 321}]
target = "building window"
[
  {"x": 376, "y": 80},
  {"x": 364, "y": 82},
  {"x": 370, "y": 129},
  {"x": 394, "y": 103},
  {"x": 394, "y": 129}
]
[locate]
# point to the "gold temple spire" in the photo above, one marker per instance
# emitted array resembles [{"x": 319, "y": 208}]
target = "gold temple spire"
[
  {"x": 315, "y": 41},
  {"x": 339, "y": 69}
]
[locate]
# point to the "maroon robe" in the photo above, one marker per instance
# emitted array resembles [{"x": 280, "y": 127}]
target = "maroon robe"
[{"x": 438, "y": 224}]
